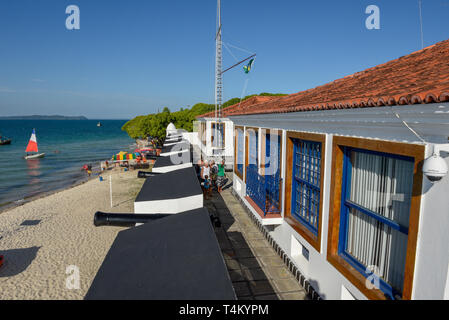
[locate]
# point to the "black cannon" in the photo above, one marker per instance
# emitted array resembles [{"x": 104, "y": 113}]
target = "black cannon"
[
  {"x": 130, "y": 219},
  {"x": 150, "y": 154},
  {"x": 124, "y": 219},
  {"x": 145, "y": 174}
]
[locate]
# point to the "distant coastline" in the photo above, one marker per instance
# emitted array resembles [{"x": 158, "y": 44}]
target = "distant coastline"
[{"x": 40, "y": 117}]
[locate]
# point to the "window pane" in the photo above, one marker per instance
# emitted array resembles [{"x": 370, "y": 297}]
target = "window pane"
[
  {"x": 240, "y": 150},
  {"x": 217, "y": 136},
  {"x": 272, "y": 154},
  {"x": 306, "y": 182},
  {"x": 308, "y": 161},
  {"x": 382, "y": 184},
  {"x": 252, "y": 147},
  {"x": 373, "y": 243}
]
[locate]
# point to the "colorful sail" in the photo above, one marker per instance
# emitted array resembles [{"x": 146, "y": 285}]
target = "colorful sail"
[
  {"x": 32, "y": 144},
  {"x": 248, "y": 67}
]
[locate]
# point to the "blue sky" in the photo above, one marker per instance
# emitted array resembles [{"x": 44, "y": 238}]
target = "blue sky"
[{"x": 137, "y": 56}]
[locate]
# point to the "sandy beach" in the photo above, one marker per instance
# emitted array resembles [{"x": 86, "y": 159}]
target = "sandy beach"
[{"x": 42, "y": 238}]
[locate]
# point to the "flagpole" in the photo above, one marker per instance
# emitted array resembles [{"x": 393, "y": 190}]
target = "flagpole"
[
  {"x": 235, "y": 65},
  {"x": 110, "y": 188},
  {"x": 420, "y": 23},
  {"x": 218, "y": 70}
]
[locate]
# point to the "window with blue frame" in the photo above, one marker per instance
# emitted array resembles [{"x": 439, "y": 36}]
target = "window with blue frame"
[
  {"x": 272, "y": 171},
  {"x": 263, "y": 175},
  {"x": 306, "y": 182},
  {"x": 374, "y": 215},
  {"x": 239, "y": 147}
]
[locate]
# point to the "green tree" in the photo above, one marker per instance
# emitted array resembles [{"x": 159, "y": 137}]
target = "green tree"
[{"x": 155, "y": 125}]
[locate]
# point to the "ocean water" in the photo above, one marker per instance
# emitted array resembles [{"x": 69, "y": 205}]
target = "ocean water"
[{"x": 68, "y": 145}]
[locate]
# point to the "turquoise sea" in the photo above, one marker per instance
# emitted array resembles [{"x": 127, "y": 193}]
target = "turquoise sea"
[{"x": 68, "y": 145}]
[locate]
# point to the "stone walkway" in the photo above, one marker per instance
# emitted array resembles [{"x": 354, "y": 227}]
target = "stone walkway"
[{"x": 256, "y": 271}]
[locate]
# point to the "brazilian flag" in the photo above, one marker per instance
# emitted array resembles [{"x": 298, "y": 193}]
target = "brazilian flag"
[{"x": 248, "y": 67}]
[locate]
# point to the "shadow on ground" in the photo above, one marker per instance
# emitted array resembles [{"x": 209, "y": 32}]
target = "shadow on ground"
[
  {"x": 17, "y": 260},
  {"x": 247, "y": 276}
]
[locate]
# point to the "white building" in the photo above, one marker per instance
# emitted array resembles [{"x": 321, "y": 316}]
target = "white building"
[
  {"x": 215, "y": 137},
  {"x": 334, "y": 177}
]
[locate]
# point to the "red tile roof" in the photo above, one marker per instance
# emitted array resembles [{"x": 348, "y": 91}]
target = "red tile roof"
[
  {"x": 420, "y": 77},
  {"x": 244, "y": 104}
]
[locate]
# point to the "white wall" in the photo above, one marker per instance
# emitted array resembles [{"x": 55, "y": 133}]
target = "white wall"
[
  {"x": 169, "y": 205},
  {"x": 208, "y": 151},
  {"x": 323, "y": 277},
  {"x": 171, "y": 168},
  {"x": 191, "y": 137},
  {"x": 171, "y": 153},
  {"x": 432, "y": 258}
]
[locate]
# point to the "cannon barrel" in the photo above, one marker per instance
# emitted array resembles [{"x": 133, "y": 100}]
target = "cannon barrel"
[
  {"x": 124, "y": 219},
  {"x": 149, "y": 155},
  {"x": 144, "y": 174}
]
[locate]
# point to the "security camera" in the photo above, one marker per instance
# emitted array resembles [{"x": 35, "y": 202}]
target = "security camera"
[{"x": 435, "y": 168}]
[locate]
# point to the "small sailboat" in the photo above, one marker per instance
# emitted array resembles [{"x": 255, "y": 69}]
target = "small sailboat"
[
  {"x": 4, "y": 140},
  {"x": 32, "y": 147},
  {"x": 99, "y": 124}
]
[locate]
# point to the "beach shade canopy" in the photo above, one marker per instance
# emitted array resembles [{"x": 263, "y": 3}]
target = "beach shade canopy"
[
  {"x": 171, "y": 258},
  {"x": 119, "y": 156},
  {"x": 122, "y": 155}
]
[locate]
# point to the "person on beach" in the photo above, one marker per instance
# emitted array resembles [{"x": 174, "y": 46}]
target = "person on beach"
[
  {"x": 221, "y": 176},
  {"x": 88, "y": 169}
]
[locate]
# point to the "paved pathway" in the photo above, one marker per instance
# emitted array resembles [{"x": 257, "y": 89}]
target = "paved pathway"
[{"x": 256, "y": 271}]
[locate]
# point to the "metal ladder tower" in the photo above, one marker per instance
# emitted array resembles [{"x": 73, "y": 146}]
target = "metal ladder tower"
[{"x": 218, "y": 73}]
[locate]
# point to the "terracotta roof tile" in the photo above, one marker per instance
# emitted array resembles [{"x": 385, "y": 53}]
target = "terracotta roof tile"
[
  {"x": 420, "y": 77},
  {"x": 246, "y": 103}
]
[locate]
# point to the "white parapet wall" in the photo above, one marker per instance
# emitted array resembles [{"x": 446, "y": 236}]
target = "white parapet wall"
[
  {"x": 169, "y": 205},
  {"x": 171, "y": 153},
  {"x": 171, "y": 168},
  {"x": 170, "y": 192}
]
